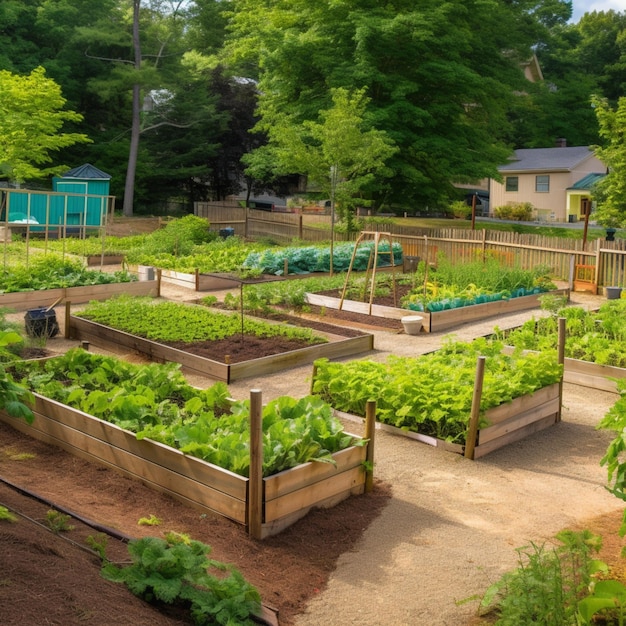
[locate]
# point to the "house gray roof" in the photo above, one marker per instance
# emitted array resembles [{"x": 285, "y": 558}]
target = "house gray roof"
[
  {"x": 87, "y": 171},
  {"x": 547, "y": 159},
  {"x": 587, "y": 182}
]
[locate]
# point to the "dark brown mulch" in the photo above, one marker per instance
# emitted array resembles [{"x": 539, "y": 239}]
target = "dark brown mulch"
[
  {"x": 236, "y": 349},
  {"x": 46, "y": 580}
]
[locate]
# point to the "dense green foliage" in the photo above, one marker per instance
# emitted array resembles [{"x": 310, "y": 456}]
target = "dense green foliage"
[
  {"x": 262, "y": 297},
  {"x": 52, "y": 272},
  {"x": 452, "y": 96},
  {"x": 172, "y": 321},
  {"x": 31, "y": 124},
  {"x": 548, "y": 583},
  {"x": 598, "y": 337},
  {"x": 155, "y": 401},
  {"x": 178, "y": 569},
  {"x": 432, "y": 394}
]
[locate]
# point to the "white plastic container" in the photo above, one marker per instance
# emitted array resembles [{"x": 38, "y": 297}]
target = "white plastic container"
[{"x": 412, "y": 324}]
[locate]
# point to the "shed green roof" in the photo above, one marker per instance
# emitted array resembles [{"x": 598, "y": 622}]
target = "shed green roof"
[{"x": 87, "y": 172}]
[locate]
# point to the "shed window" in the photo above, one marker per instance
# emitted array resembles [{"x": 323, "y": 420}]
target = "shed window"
[
  {"x": 512, "y": 183},
  {"x": 542, "y": 184}
]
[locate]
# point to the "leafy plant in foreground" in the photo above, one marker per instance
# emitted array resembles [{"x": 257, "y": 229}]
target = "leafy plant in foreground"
[
  {"x": 58, "y": 522},
  {"x": 175, "y": 570},
  {"x": 547, "y": 584},
  {"x": 6, "y": 515}
]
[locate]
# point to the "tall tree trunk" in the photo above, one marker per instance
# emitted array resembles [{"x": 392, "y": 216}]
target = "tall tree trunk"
[{"x": 129, "y": 188}]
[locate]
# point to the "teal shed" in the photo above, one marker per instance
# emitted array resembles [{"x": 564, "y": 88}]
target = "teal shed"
[{"x": 80, "y": 199}]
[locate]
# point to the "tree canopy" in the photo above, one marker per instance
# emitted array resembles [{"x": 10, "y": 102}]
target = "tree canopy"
[
  {"x": 31, "y": 119},
  {"x": 441, "y": 80}
]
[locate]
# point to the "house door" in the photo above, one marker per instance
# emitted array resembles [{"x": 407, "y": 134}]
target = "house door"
[{"x": 585, "y": 206}]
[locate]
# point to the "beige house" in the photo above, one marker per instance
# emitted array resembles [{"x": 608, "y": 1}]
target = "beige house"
[{"x": 556, "y": 181}]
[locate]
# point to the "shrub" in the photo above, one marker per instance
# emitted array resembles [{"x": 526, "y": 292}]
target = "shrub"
[
  {"x": 521, "y": 211},
  {"x": 461, "y": 210}
]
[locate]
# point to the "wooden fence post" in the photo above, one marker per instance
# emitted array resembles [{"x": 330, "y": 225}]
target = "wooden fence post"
[
  {"x": 370, "y": 430},
  {"x": 68, "y": 307},
  {"x": 561, "y": 360},
  {"x": 255, "y": 482},
  {"x": 472, "y": 430},
  {"x": 158, "y": 277}
]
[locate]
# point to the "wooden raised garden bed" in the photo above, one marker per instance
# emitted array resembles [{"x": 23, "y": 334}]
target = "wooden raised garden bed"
[
  {"x": 439, "y": 320},
  {"x": 107, "y": 337},
  {"x": 22, "y": 300},
  {"x": 509, "y": 422},
  {"x": 199, "y": 281},
  {"x": 286, "y": 497},
  {"x": 105, "y": 259}
]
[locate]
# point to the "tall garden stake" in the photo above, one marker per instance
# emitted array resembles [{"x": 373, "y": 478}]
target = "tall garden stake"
[
  {"x": 472, "y": 429},
  {"x": 561, "y": 360},
  {"x": 255, "y": 481},
  {"x": 370, "y": 430}
]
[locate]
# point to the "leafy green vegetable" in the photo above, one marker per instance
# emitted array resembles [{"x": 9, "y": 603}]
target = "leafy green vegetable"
[
  {"x": 51, "y": 272},
  {"x": 178, "y": 569},
  {"x": 154, "y": 401},
  {"x": 432, "y": 394}
]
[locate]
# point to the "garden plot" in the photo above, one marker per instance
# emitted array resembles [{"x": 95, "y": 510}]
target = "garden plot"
[
  {"x": 445, "y": 296},
  {"x": 442, "y": 398},
  {"x": 595, "y": 342},
  {"x": 49, "y": 279},
  {"x": 207, "y": 342},
  {"x": 200, "y": 447}
]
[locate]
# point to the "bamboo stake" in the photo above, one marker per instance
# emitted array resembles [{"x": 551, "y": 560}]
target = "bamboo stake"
[
  {"x": 255, "y": 483},
  {"x": 472, "y": 430},
  {"x": 370, "y": 430}
]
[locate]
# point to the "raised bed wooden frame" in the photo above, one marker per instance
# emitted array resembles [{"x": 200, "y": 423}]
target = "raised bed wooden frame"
[
  {"x": 199, "y": 281},
  {"x": 439, "y": 320},
  {"x": 106, "y": 337},
  {"x": 508, "y": 422},
  {"x": 286, "y": 497},
  {"x": 22, "y": 300}
]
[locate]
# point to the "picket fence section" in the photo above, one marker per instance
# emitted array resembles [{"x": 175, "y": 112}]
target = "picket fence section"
[{"x": 607, "y": 259}]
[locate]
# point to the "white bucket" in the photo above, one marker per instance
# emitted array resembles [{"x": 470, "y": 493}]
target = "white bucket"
[
  {"x": 145, "y": 272},
  {"x": 412, "y": 324}
]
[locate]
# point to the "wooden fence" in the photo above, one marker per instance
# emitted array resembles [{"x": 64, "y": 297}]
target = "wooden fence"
[{"x": 605, "y": 261}]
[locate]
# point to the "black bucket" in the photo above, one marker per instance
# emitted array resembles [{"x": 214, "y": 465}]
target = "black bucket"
[{"x": 41, "y": 322}]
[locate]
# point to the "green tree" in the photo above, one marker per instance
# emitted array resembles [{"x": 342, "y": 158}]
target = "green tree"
[
  {"x": 31, "y": 118},
  {"x": 342, "y": 157},
  {"x": 610, "y": 192},
  {"x": 440, "y": 76}
]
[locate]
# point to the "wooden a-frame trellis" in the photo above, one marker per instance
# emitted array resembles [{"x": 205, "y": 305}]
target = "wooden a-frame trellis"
[{"x": 370, "y": 274}]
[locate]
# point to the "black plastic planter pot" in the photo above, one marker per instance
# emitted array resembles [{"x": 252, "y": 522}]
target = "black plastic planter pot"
[{"x": 41, "y": 322}]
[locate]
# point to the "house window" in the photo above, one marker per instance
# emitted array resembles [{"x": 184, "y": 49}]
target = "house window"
[
  {"x": 512, "y": 183},
  {"x": 542, "y": 184}
]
